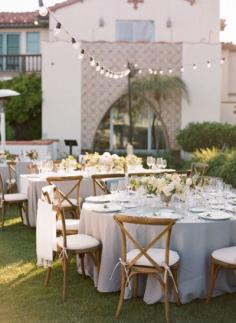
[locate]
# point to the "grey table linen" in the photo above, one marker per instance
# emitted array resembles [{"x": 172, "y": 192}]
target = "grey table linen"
[{"x": 193, "y": 239}]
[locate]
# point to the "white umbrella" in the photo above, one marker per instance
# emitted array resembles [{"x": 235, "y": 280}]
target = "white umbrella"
[{"x": 4, "y": 94}]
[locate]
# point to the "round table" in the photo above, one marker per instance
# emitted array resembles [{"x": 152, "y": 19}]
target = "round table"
[{"x": 192, "y": 238}]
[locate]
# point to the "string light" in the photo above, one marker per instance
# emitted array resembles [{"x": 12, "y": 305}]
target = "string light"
[
  {"x": 92, "y": 61},
  {"x": 75, "y": 43},
  {"x": 81, "y": 54},
  {"x": 222, "y": 61},
  {"x": 57, "y": 29},
  {"x": 98, "y": 67},
  {"x": 43, "y": 11}
]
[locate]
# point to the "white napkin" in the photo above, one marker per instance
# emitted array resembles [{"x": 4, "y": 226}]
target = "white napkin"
[{"x": 45, "y": 234}]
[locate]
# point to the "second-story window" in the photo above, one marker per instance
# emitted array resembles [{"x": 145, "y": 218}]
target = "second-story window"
[
  {"x": 135, "y": 30},
  {"x": 33, "y": 43}
]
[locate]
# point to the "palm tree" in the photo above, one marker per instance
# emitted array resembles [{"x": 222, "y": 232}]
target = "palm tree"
[{"x": 160, "y": 87}]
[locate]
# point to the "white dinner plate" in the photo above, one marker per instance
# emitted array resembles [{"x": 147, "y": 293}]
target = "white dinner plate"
[
  {"x": 169, "y": 215},
  {"x": 197, "y": 210},
  {"x": 106, "y": 208},
  {"x": 215, "y": 216},
  {"x": 97, "y": 199}
]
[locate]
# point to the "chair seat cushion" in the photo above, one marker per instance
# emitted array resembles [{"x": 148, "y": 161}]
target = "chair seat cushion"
[
  {"x": 79, "y": 242},
  {"x": 15, "y": 197},
  {"x": 227, "y": 255},
  {"x": 71, "y": 224},
  {"x": 157, "y": 255}
]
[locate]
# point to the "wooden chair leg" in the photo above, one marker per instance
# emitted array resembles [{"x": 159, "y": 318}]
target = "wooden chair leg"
[
  {"x": 166, "y": 301},
  {"x": 26, "y": 209},
  {"x": 175, "y": 276},
  {"x": 65, "y": 265},
  {"x": 122, "y": 293},
  {"x": 48, "y": 275},
  {"x": 81, "y": 256},
  {"x": 3, "y": 216},
  {"x": 213, "y": 275},
  {"x": 135, "y": 288}
]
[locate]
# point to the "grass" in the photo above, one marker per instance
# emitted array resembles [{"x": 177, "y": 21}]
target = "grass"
[{"x": 23, "y": 297}]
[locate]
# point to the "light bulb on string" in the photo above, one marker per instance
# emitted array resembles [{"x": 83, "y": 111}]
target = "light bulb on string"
[
  {"x": 107, "y": 73},
  {"x": 155, "y": 72},
  {"x": 161, "y": 72},
  {"x": 81, "y": 54},
  {"x": 57, "y": 29},
  {"x": 222, "y": 61},
  {"x": 194, "y": 67},
  {"x": 43, "y": 11},
  {"x": 208, "y": 64},
  {"x": 92, "y": 61},
  {"x": 98, "y": 67},
  {"x": 182, "y": 69},
  {"x": 170, "y": 71},
  {"x": 140, "y": 71},
  {"x": 75, "y": 43},
  {"x": 150, "y": 71},
  {"x": 102, "y": 71}
]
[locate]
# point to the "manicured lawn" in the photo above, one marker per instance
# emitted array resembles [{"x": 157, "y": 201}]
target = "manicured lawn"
[{"x": 23, "y": 297}]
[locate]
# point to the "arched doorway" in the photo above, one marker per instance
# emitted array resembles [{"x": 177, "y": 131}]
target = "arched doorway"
[{"x": 148, "y": 130}]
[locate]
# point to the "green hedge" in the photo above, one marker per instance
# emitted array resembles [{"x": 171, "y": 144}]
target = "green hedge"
[
  {"x": 221, "y": 163},
  {"x": 207, "y": 135}
]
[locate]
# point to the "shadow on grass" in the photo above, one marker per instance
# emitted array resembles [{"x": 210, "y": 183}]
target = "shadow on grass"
[{"x": 24, "y": 298}]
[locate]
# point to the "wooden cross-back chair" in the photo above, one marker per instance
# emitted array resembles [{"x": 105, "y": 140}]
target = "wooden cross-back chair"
[
  {"x": 17, "y": 199},
  {"x": 99, "y": 180},
  {"x": 11, "y": 181},
  {"x": 71, "y": 205},
  {"x": 199, "y": 169},
  {"x": 75, "y": 244},
  {"x": 72, "y": 225},
  {"x": 148, "y": 259}
]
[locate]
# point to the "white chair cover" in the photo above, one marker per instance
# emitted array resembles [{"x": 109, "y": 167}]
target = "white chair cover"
[{"x": 45, "y": 234}]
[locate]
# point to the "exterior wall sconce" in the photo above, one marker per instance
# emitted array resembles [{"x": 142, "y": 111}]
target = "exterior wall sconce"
[
  {"x": 168, "y": 23},
  {"x": 101, "y": 22}
]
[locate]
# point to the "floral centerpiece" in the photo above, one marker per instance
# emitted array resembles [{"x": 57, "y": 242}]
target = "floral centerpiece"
[
  {"x": 70, "y": 163},
  {"x": 110, "y": 162},
  {"x": 5, "y": 155},
  {"x": 32, "y": 154},
  {"x": 164, "y": 186}
]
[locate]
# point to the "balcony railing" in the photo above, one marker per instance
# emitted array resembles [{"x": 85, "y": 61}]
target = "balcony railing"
[{"x": 20, "y": 63}]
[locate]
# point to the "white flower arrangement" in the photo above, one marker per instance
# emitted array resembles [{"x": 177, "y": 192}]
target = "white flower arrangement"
[
  {"x": 69, "y": 162},
  {"x": 167, "y": 184},
  {"x": 111, "y": 161}
]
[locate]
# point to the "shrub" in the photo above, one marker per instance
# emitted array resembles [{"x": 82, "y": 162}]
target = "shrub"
[
  {"x": 207, "y": 135},
  {"x": 221, "y": 163},
  {"x": 23, "y": 113}
]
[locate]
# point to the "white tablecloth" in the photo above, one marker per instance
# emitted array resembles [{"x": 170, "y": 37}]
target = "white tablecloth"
[
  {"x": 193, "y": 239},
  {"x": 31, "y": 185}
]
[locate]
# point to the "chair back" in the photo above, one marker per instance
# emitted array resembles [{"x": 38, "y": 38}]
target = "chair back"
[
  {"x": 165, "y": 233},
  {"x": 1, "y": 188},
  {"x": 199, "y": 169},
  {"x": 99, "y": 180},
  {"x": 66, "y": 186}
]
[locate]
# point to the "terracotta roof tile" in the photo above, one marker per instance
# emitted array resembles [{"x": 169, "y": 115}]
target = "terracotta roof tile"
[{"x": 13, "y": 19}]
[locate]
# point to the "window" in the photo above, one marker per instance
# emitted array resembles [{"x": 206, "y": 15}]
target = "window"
[
  {"x": 10, "y": 46},
  {"x": 135, "y": 30},
  {"x": 33, "y": 42},
  {"x": 114, "y": 130}
]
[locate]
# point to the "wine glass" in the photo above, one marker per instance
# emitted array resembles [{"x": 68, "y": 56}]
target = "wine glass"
[
  {"x": 149, "y": 161},
  {"x": 159, "y": 163},
  {"x": 164, "y": 163}
]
